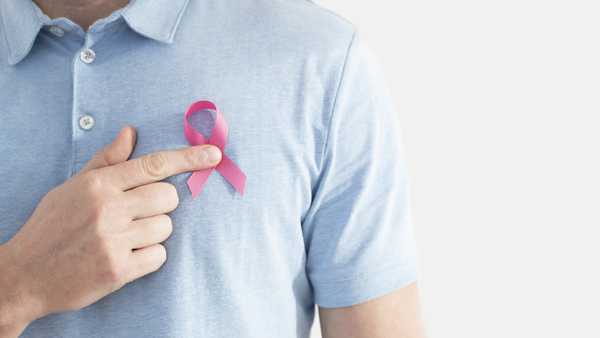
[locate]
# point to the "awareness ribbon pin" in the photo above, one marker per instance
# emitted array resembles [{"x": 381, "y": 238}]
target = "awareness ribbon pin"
[{"x": 229, "y": 170}]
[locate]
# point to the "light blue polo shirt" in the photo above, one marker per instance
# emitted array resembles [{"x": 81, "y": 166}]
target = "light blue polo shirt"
[{"x": 325, "y": 214}]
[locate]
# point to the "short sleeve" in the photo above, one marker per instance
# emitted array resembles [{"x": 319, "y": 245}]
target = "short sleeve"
[{"x": 358, "y": 230}]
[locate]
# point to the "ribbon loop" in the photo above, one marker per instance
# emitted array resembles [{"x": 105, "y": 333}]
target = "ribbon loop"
[{"x": 227, "y": 168}]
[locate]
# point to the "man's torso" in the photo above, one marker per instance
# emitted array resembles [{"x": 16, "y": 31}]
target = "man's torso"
[{"x": 235, "y": 263}]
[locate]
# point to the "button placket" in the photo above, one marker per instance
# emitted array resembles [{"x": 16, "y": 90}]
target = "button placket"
[{"x": 85, "y": 121}]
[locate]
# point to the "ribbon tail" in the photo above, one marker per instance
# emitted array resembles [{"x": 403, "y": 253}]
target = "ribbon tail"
[
  {"x": 232, "y": 173},
  {"x": 196, "y": 181}
]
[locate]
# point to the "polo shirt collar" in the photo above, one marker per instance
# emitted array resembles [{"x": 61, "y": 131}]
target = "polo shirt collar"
[
  {"x": 155, "y": 19},
  {"x": 21, "y": 24},
  {"x": 22, "y": 21}
]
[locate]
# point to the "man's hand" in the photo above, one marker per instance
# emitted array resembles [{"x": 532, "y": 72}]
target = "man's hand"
[{"x": 93, "y": 234}]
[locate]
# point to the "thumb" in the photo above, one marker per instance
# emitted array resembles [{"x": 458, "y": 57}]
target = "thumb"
[{"x": 117, "y": 151}]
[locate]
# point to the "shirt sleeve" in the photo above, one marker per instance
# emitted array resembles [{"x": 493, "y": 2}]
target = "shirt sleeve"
[{"x": 358, "y": 232}]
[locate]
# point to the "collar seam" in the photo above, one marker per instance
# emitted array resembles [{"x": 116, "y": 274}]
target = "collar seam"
[
  {"x": 9, "y": 47},
  {"x": 137, "y": 28},
  {"x": 165, "y": 34},
  {"x": 178, "y": 21},
  {"x": 21, "y": 54},
  {"x": 16, "y": 55}
]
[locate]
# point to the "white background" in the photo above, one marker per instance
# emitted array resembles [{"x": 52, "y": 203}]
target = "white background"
[{"x": 499, "y": 104}]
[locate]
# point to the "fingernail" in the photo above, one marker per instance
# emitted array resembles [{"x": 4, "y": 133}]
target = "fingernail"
[
  {"x": 120, "y": 133},
  {"x": 212, "y": 154},
  {"x": 129, "y": 129}
]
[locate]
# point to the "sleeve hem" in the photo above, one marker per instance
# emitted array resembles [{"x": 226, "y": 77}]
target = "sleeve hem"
[{"x": 351, "y": 291}]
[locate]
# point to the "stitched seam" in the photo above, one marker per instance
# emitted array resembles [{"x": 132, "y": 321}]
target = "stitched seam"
[
  {"x": 331, "y": 12},
  {"x": 335, "y": 101},
  {"x": 4, "y": 33},
  {"x": 15, "y": 58},
  {"x": 135, "y": 27},
  {"x": 113, "y": 28},
  {"x": 392, "y": 267},
  {"x": 171, "y": 34},
  {"x": 74, "y": 116},
  {"x": 177, "y": 21},
  {"x": 142, "y": 32},
  {"x": 26, "y": 51}
]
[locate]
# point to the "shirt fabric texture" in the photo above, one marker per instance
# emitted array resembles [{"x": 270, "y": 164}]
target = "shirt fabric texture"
[{"x": 325, "y": 215}]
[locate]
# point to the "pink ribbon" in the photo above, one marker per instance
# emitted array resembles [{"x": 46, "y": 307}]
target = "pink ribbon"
[{"x": 229, "y": 170}]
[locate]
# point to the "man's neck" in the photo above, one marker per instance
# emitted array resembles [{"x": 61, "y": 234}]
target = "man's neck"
[{"x": 82, "y": 12}]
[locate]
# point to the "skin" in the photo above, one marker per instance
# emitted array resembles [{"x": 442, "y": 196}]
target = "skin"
[
  {"x": 93, "y": 234},
  {"x": 82, "y": 12},
  {"x": 395, "y": 315},
  {"x": 112, "y": 218}
]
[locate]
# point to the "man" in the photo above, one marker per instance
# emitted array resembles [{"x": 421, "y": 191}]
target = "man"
[{"x": 101, "y": 236}]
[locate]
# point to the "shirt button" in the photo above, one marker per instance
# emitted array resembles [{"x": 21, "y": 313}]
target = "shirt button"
[
  {"x": 86, "y": 122},
  {"x": 87, "y": 56},
  {"x": 57, "y": 31}
]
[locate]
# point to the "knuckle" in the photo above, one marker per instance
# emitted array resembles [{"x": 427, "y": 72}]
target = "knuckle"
[
  {"x": 191, "y": 158},
  {"x": 154, "y": 165},
  {"x": 100, "y": 210},
  {"x": 97, "y": 198},
  {"x": 114, "y": 274},
  {"x": 111, "y": 271},
  {"x": 102, "y": 157},
  {"x": 92, "y": 182}
]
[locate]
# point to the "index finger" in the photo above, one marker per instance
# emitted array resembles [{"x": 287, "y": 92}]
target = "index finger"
[{"x": 160, "y": 165}]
